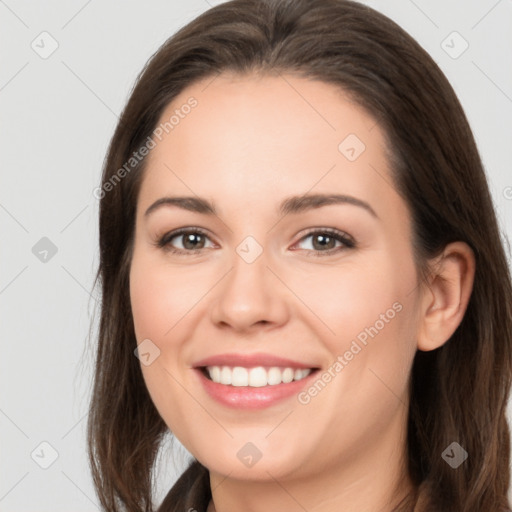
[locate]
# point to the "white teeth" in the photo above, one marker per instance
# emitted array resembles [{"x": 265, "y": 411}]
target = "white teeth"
[
  {"x": 239, "y": 376},
  {"x": 274, "y": 376},
  {"x": 255, "y": 377},
  {"x": 288, "y": 375},
  {"x": 225, "y": 375}
]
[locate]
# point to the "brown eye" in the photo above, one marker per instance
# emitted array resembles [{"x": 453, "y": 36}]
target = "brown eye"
[
  {"x": 324, "y": 241},
  {"x": 190, "y": 240}
]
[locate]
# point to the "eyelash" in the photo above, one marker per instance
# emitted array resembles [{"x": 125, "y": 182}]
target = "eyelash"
[{"x": 347, "y": 241}]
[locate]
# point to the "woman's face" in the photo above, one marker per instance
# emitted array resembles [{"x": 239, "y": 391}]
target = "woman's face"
[{"x": 326, "y": 284}]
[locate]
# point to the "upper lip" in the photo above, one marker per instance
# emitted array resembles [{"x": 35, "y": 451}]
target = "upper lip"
[{"x": 251, "y": 361}]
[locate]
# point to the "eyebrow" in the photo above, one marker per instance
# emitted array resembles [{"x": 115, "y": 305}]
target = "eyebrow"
[{"x": 293, "y": 204}]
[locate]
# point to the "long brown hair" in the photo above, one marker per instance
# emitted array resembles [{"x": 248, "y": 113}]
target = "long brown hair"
[{"x": 459, "y": 391}]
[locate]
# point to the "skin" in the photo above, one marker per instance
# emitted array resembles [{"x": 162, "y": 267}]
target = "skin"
[{"x": 250, "y": 142}]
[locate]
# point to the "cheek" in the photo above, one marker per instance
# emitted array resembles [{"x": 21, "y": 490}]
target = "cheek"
[
  {"x": 160, "y": 298},
  {"x": 369, "y": 315},
  {"x": 148, "y": 302},
  {"x": 157, "y": 307},
  {"x": 165, "y": 303},
  {"x": 378, "y": 329},
  {"x": 353, "y": 297}
]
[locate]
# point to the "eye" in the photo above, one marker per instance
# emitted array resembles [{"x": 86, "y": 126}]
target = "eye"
[
  {"x": 324, "y": 241},
  {"x": 192, "y": 240}
]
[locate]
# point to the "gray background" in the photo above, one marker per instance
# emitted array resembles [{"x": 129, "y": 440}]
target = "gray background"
[{"x": 58, "y": 114}]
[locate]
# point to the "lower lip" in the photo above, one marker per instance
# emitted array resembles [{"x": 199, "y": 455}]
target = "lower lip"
[{"x": 246, "y": 397}]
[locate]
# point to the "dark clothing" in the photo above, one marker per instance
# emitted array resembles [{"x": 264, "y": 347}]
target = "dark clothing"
[{"x": 191, "y": 491}]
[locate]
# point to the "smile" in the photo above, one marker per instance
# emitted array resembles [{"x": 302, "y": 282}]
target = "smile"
[
  {"x": 255, "y": 377},
  {"x": 250, "y": 387}
]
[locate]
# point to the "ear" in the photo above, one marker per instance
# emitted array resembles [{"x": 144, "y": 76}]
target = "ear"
[{"x": 446, "y": 296}]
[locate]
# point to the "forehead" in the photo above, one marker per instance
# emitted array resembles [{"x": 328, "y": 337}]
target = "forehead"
[{"x": 266, "y": 136}]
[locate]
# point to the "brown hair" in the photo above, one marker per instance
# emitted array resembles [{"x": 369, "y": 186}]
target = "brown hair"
[{"x": 458, "y": 392}]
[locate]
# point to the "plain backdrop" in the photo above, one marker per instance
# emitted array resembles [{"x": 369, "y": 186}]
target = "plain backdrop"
[{"x": 67, "y": 68}]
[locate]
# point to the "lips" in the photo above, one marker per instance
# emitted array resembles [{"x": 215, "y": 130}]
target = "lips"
[
  {"x": 252, "y": 361},
  {"x": 255, "y": 393},
  {"x": 250, "y": 397}
]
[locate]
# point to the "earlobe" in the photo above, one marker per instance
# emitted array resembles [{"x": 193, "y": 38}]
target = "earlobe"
[{"x": 446, "y": 297}]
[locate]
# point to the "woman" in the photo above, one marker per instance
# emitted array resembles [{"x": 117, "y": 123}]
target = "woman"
[{"x": 339, "y": 336}]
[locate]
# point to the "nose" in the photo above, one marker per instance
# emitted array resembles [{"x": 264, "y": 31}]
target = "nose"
[{"x": 250, "y": 297}]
